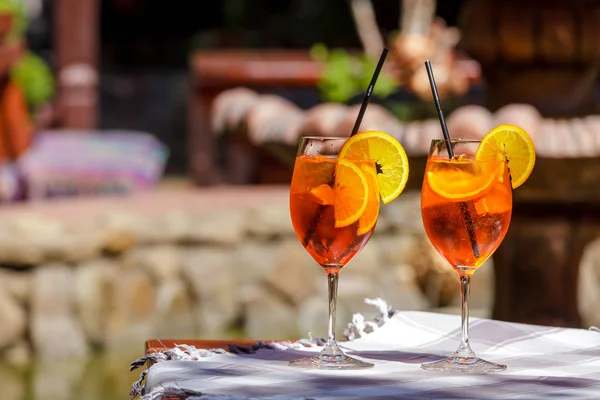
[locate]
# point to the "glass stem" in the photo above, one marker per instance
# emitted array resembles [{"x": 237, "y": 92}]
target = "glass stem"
[
  {"x": 465, "y": 349},
  {"x": 332, "y": 286},
  {"x": 332, "y": 350}
]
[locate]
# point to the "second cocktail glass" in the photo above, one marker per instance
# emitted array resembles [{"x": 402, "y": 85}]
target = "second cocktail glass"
[{"x": 466, "y": 207}]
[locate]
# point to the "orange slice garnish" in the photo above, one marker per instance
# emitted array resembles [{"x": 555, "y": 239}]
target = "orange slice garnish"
[
  {"x": 389, "y": 156},
  {"x": 351, "y": 193},
  {"x": 462, "y": 179},
  {"x": 515, "y": 145},
  {"x": 369, "y": 217}
]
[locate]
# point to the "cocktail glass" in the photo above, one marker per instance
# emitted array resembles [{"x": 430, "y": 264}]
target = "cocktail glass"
[
  {"x": 324, "y": 191},
  {"x": 466, "y": 208}
]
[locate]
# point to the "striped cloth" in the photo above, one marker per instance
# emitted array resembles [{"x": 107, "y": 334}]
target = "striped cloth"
[
  {"x": 67, "y": 163},
  {"x": 543, "y": 363}
]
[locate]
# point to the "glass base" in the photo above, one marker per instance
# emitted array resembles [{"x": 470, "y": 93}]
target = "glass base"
[
  {"x": 324, "y": 361},
  {"x": 469, "y": 365}
]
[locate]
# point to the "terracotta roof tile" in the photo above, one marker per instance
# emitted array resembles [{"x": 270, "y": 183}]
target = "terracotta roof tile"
[
  {"x": 469, "y": 122},
  {"x": 230, "y": 108},
  {"x": 547, "y": 129},
  {"x": 584, "y": 139},
  {"x": 524, "y": 116},
  {"x": 274, "y": 119},
  {"x": 429, "y": 130},
  {"x": 323, "y": 119},
  {"x": 592, "y": 124},
  {"x": 411, "y": 140},
  {"x": 376, "y": 118},
  {"x": 565, "y": 143}
]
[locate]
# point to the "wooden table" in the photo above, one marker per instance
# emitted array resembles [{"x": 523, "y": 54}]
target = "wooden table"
[{"x": 154, "y": 345}]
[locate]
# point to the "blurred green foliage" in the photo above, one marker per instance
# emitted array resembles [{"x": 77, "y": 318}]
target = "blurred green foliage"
[
  {"x": 346, "y": 75},
  {"x": 16, "y": 8},
  {"x": 35, "y": 79},
  {"x": 30, "y": 72}
]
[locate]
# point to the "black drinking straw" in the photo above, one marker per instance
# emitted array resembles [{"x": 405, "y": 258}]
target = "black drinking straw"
[
  {"x": 463, "y": 206},
  {"x": 369, "y": 92},
  {"x": 361, "y": 113}
]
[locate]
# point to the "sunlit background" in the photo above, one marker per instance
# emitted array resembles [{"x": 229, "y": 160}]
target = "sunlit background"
[{"x": 146, "y": 149}]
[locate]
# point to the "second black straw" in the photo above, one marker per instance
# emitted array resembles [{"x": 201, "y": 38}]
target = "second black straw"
[{"x": 463, "y": 206}]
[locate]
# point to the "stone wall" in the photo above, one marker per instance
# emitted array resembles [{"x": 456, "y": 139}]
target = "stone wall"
[{"x": 104, "y": 274}]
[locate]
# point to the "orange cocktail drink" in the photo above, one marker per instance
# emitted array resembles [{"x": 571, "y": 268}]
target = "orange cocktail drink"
[
  {"x": 466, "y": 203},
  {"x": 319, "y": 189}
]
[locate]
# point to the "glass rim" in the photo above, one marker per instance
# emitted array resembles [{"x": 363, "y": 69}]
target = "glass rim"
[
  {"x": 324, "y": 137},
  {"x": 457, "y": 140}
]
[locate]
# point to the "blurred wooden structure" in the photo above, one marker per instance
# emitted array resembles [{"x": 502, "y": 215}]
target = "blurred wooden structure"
[
  {"x": 543, "y": 53},
  {"x": 538, "y": 52},
  {"x": 214, "y": 71},
  {"x": 537, "y": 264},
  {"x": 76, "y": 43}
]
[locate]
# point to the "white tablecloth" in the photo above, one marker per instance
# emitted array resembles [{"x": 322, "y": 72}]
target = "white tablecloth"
[{"x": 543, "y": 363}]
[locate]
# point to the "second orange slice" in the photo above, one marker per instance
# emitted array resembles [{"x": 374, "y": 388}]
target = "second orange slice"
[
  {"x": 351, "y": 193},
  {"x": 460, "y": 180},
  {"x": 369, "y": 217}
]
